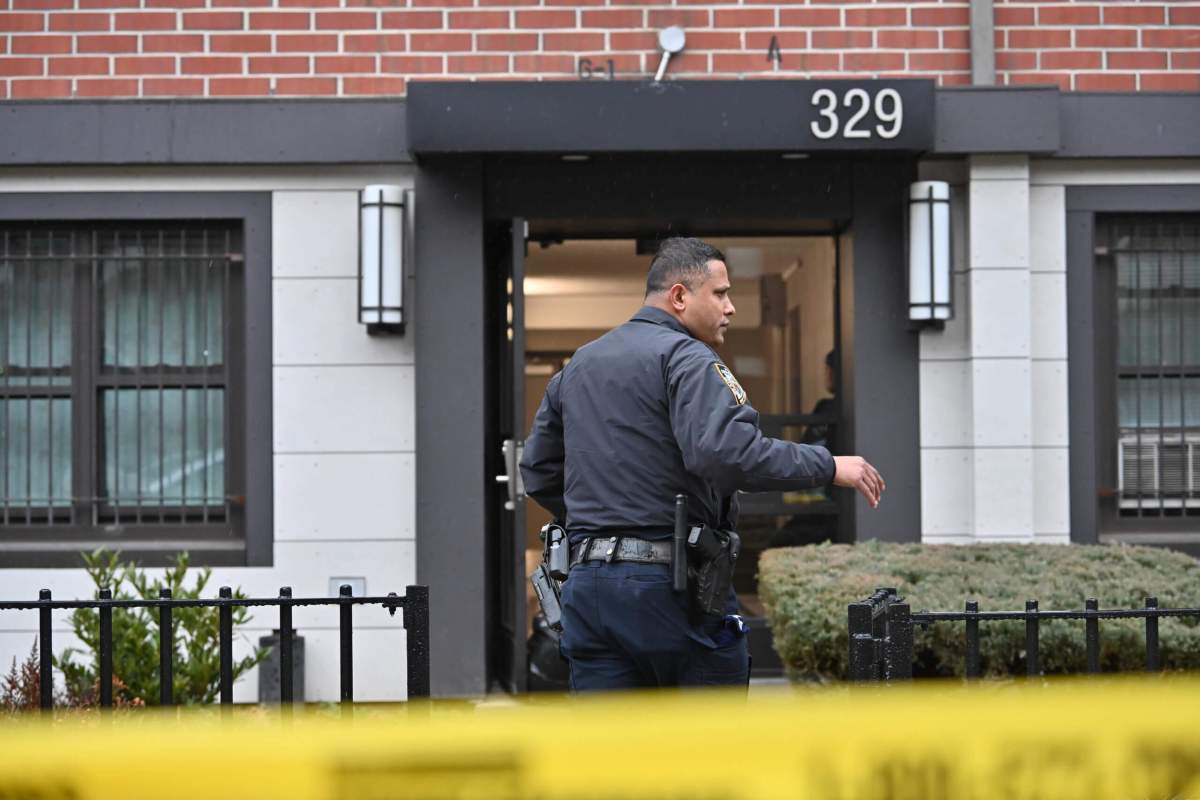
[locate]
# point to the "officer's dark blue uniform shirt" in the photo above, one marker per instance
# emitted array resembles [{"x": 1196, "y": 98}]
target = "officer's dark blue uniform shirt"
[{"x": 646, "y": 412}]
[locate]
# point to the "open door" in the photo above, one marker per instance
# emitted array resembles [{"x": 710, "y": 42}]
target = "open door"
[{"x": 510, "y": 634}]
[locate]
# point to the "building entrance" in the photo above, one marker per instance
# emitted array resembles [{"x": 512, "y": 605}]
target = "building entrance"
[
  {"x": 559, "y": 293},
  {"x": 630, "y": 161}
]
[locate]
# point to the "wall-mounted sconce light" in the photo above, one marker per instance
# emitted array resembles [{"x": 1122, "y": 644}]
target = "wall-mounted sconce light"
[
  {"x": 671, "y": 40},
  {"x": 383, "y": 255},
  {"x": 929, "y": 288}
]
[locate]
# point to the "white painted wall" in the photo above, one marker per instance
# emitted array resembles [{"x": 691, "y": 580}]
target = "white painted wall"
[
  {"x": 978, "y": 376},
  {"x": 1048, "y": 353},
  {"x": 994, "y": 402},
  {"x": 946, "y": 402},
  {"x": 810, "y": 287},
  {"x": 344, "y": 460}
]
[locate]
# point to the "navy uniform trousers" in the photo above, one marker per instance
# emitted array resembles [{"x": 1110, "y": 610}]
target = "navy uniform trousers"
[{"x": 625, "y": 628}]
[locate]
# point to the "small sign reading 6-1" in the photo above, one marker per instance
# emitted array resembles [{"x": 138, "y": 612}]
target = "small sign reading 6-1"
[{"x": 589, "y": 70}]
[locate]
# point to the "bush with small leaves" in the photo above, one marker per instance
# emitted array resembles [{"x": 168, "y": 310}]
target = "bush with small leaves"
[
  {"x": 194, "y": 630},
  {"x": 806, "y": 591}
]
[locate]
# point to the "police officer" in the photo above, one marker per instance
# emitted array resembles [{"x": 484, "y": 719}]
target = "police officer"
[{"x": 646, "y": 412}]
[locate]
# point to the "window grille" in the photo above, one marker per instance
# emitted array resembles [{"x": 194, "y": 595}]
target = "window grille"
[
  {"x": 1157, "y": 351},
  {"x": 115, "y": 365}
]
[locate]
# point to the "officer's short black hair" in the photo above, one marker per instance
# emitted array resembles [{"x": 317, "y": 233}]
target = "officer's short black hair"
[{"x": 680, "y": 259}]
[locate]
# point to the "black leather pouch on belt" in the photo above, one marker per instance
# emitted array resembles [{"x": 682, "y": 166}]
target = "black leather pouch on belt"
[{"x": 711, "y": 556}]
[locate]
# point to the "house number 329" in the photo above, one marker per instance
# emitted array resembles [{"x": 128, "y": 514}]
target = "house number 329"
[{"x": 856, "y": 105}]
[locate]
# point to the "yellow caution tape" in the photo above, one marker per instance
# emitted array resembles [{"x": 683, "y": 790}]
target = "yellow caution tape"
[{"x": 1116, "y": 738}]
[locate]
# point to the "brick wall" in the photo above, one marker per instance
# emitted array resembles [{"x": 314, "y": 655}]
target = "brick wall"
[
  {"x": 1084, "y": 46},
  {"x": 260, "y": 48}
]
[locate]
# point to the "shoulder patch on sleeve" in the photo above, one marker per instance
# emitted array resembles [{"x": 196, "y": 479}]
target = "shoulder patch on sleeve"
[{"x": 739, "y": 394}]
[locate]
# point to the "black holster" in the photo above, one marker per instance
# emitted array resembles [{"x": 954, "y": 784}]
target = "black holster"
[
  {"x": 549, "y": 596},
  {"x": 712, "y": 555},
  {"x": 548, "y": 577}
]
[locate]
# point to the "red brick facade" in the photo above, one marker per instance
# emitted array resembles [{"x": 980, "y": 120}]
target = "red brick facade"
[{"x": 263, "y": 48}]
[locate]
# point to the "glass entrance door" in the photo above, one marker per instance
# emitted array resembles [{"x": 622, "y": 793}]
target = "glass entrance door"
[{"x": 510, "y": 631}]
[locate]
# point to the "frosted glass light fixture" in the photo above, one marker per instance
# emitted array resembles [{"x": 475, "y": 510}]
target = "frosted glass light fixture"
[
  {"x": 382, "y": 256},
  {"x": 929, "y": 289}
]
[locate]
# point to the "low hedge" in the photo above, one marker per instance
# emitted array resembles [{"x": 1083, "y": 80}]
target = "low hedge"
[{"x": 806, "y": 591}]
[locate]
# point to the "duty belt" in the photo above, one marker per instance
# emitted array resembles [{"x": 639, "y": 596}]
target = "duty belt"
[{"x": 621, "y": 548}]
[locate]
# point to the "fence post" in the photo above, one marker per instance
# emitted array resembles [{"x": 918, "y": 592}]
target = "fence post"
[
  {"x": 1032, "y": 667},
  {"x": 973, "y": 665},
  {"x": 346, "y": 645},
  {"x": 166, "y": 652},
  {"x": 106, "y": 650},
  {"x": 1152, "y": 654},
  {"x": 416, "y": 623},
  {"x": 1093, "y": 636},
  {"x": 898, "y": 650},
  {"x": 225, "y": 635},
  {"x": 862, "y": 645},
  {"x": 46, "y": 645},
  {"x": 285, "y": 650},
  {"x": 883, "y": 597}
]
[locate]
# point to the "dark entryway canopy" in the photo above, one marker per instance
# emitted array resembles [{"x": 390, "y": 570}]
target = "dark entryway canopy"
[{"x": 671, "y": 117}]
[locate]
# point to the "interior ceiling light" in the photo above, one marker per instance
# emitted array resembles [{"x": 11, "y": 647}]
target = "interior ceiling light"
[{"x": 672, "y": 40}]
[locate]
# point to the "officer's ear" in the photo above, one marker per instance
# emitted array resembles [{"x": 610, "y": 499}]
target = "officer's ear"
[{"x": 676, "y": 296}]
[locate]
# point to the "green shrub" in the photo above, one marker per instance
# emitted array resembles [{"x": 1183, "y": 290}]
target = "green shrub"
[
  {"x": 195, "y": 631},
  {"x": 806, "y": 591}
]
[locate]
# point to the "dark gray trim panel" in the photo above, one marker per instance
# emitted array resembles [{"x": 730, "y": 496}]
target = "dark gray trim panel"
[
  {"x": 1082, "y": 205},
  {"x": 254, "y": 209},
  {"x": 880, "y": 356},
  {"x": 452, "y": 410},
  {"x": 1081, "y": 375},
  {"x": 1133, "y": 199},
  {"x": 641, "y": 116},
  {"x": 712, "y": 116},
  {"x": 648, "y": 194},
  {"x": 997, "y": 120},
  {"x": 1141, "y": 125},
  {"x": 1042, "y": 120},
  {"x": 576, "y": 117},
  {"x": 203, "y": 132}
]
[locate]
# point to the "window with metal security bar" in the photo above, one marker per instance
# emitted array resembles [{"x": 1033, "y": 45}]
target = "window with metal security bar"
[
  {"x": 119, "y": 345},
  {"x": 1154, "y": 393}
]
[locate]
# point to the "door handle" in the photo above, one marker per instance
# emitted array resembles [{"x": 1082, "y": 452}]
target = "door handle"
[{"x": 512, "y": 450}]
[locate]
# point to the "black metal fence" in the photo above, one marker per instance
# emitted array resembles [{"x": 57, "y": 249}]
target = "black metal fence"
[
  {"x": 414, "y": 603},
  {"x": 881, "y": 633}
]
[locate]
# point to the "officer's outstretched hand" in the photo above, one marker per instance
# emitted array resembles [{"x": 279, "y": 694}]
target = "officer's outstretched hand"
[{"x": 854, "y": 472}]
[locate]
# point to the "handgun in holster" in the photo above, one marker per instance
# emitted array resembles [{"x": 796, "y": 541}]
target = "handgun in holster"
[
  {"x": 712, "y": 554},
  {"x": 547, "y": 578},
  {"x": 702, "y": 561}
]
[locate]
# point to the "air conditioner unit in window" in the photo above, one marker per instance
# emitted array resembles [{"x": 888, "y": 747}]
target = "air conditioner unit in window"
[{"x": 1159, "y": 472}]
